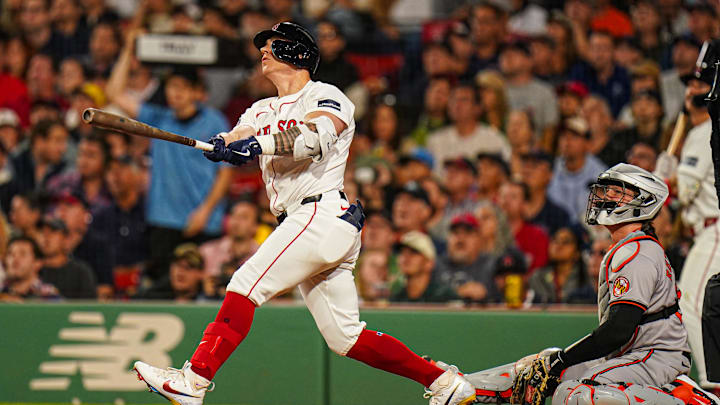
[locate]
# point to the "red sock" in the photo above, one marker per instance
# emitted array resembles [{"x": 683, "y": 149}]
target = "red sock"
[
  {"x": 221, "y": 337},
  {"x": 382, "y": 351}
]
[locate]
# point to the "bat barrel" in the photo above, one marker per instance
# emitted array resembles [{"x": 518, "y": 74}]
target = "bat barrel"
[{"x": 88, "y": 115}]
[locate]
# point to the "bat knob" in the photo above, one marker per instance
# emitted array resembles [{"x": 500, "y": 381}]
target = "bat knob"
[{"x": 713, "y": 94}]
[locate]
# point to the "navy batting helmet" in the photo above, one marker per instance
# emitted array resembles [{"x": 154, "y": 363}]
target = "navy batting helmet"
[{"x": 297, "y": 47}]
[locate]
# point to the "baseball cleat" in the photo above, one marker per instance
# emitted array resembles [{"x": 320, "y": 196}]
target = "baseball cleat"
[
  {"x": 450, "y": 389},
  {"x": 180, "y": 387}
]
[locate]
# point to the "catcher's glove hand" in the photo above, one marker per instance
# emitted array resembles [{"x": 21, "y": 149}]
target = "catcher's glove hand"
[{"x": 538, "y": 380}]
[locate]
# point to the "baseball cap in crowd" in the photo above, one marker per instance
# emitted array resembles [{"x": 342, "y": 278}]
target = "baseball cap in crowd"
[
  {"x": 71, "y": 198},
  {"x": 420, "y": 243},
  {"x": 414, "y": 190},
  {"x": 461, "y": 163},
  {"x": 576, "y": 125},
  {"x": 188, "y": 73},
  {"x": 516, "y": 45},
  {"x": 645, "y": 68},
  {"x": 688, "y": 39},
  {"x": 465, "y": 220},
  {"x": 652, "y": 94},
  {"x": 540, "y": 156},
  {"x": 190, "y": 253},
  {"x": 374, "y": 215},
  {"x": 418, "y": 154},
  {"x": 510, "y": 262},
  {"x": 497, "y": 159},
  {"x": 490, "y": 79},
  {"x": 573, "y": 87},
  {"x": 8, "y": 118},
  {"x": 56, "y": 224}
]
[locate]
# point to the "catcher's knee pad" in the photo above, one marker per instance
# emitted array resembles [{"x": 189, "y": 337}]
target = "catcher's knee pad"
[
  {"x": 494, "y": 385},
  {"x": 588, "y": 392}
]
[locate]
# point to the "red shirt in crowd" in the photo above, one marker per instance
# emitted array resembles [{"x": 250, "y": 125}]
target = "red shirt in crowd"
[
  {"x": 533, "y": 242},
  {"x": 14, "y": 96}
]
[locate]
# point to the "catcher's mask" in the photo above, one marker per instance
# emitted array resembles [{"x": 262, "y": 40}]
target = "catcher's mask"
[{"x": 625, "y": 193}]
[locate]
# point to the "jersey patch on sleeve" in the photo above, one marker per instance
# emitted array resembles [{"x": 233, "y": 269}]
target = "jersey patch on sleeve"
[
  {"x": 621, "y": 286},
  {"x": 691, "y": 161},
  {"x": 329, "y": 104}
]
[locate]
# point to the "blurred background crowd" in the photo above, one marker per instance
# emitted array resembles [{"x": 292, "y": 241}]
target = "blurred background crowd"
[{"x": 480, "y": 126}]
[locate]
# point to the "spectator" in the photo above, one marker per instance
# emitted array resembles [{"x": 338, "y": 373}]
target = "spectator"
[
  {"x": 378, "y": 232},
  {"x": 87, "y": 180},
  {"x": 82, "y": 244},
  {"x": 88, "y": 96},
  {"x": 40, "y": 78},
  {"x": 702, "y": 23},
  {"x": 198, "y": 214},
  {"x": 416, "y": 260},
  {"x": 543, "y": 53},
  {"x": 70, "y": 35},
  {"x": 462, "y": 48},
  {"x": 74, "y": 279},
  {"x": 17, "y": 55},
  {"x": 415, "y": 166},
  {"x": 466, "y": 267},
  {"x": 334, "y": 67},
  {"x": 22, "y": 265},
  {"x": 521, "y": 136},
  {"x": 524, "y": 91},
  {"x": 459, "y": 181},
  {"x": 238, "y": 243},
  {"x": 34, "y": 23},
  {"x": 627, "y": 52},
  {"x": 600, "y": 246},
  {"x": 493, "y": 171},
  {"x": 684, "y": 53},
  {"x": 596, "y": 112},
  {"x": 434, "y": 115},
  {"x": 411, "y": 209},
  {"x": 43, "y": 160},
  {"x": 10, "y": 132},
  {"x": 571, "y": 96},
  {"x": 15, "y": 94},
  {"x": 574, "y": 169},
  {"x": 647, "y": 23},
  {"x": 97, "y": 11},
  {"x": 384, "y": 132},
  {"x": 184, "y": 281},
  {"x": 674, "y": 17},
  {"x": 608, "y": 17},
  {"x": 71, "y": 76},
  {"x": 104, "y": 47},
  {"x": 642, "y": 155},
  {"x": 645, "y": 77},
  {"x": 487, "y": 25},
  {"x": 676, "y": 249},
  {"x": 123, "y": 226},
  {"x": 493, "y": 99},
  {"x": 540, "y": 209},
  {"x": 466, "y": 137},
  {"x": 44, "y": 111},
  {"x": 565, "y": 280},
  {"x": 530, "y": 239},
  {"x": 25, "y": 214},
  {"x": 647, "y": 117},
  {"x": 600, "y": 73},
  {"x": 372, "y": 275},
  {"x": 560, "y": 30}
]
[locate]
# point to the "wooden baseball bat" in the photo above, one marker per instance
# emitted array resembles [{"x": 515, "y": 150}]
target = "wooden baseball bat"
[
  {"x": 678, "y": 133},
  {"x": 114, "y": 122}
]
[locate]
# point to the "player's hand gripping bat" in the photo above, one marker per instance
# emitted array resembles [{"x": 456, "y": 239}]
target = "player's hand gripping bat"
[{"x": 114, "y": 122}]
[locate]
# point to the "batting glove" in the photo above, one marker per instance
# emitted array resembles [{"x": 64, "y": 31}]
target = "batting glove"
[
  {"x": 243, "y": 151},
  {"x": 219, "y": 148}
]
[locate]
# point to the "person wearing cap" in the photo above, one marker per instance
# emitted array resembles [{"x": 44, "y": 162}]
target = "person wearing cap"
[
  {"x": 416, "y": 260},
  {"x": 467, "y": 136},
  {"x": 525, "y": 91},
  {"x": 414, "y": 166},
  {"x": 197, "y": 214},
  {"x": 493, "y": 171},
  {"x": 461, "y": 46},
  {"x": 74, "y": 279},
  {"x": 696, "y": 191},
  {"x": 464, "y": 266},
  {"x": 184, "y": 281},
  {"x": 574, "y": 169},
  {"x": 22, "y": 265},
  {"x": 571, "y": 95},
  {"x": 411, "y": 209},
  {"x": 601, "y": 74},
  {"x": 540, "y": 209},
  {"x": 531, "y": 239},
  {"x": 122, "y": 224},
  {"x": 684, "y": 53}
]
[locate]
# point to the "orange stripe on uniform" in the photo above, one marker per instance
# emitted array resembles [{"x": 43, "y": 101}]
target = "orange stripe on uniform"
[
  {"x": 644, "y": 359},
  {"x": 629, "y": 302}
]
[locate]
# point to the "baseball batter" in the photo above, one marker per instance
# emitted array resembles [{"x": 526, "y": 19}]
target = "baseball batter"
[
  {"x": 641, "y": 343},
  {"x": 696, "y": 192},
  {"x": 302, "y": 138}
]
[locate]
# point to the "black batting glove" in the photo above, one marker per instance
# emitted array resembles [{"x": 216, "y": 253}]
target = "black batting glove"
[{"x": 219, "y": 149}]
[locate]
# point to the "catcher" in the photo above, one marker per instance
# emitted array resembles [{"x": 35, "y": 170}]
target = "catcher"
[{"x": 639, "y": 353}]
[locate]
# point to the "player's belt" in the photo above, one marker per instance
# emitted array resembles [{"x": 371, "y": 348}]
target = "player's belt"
[{"x": 308, "y": 200}]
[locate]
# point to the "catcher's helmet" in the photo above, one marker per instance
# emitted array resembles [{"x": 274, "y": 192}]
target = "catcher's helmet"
[
  {"x": 648, "y": 193},
  {"x": 297, "y": 47}
]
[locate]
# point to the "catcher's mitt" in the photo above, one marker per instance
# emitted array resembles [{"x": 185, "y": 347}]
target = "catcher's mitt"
[{"x": 537, "y": 381}]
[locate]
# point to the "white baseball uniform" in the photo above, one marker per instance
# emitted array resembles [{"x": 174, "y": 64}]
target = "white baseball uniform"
[
  {"x": 696, "y": 191},
  {"x": 312, "y": 248}
]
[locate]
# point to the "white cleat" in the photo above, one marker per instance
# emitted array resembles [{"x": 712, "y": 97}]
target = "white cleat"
[
  {"x": 450, "y": 389},
  {"x": 180, "y": 387}
]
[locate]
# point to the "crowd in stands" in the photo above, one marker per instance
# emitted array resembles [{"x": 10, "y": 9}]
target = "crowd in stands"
[{"x": 480, "y": 125}]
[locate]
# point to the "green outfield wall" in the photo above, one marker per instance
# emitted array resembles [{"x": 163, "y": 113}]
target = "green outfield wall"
[{"x": 83, "y": 352}]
